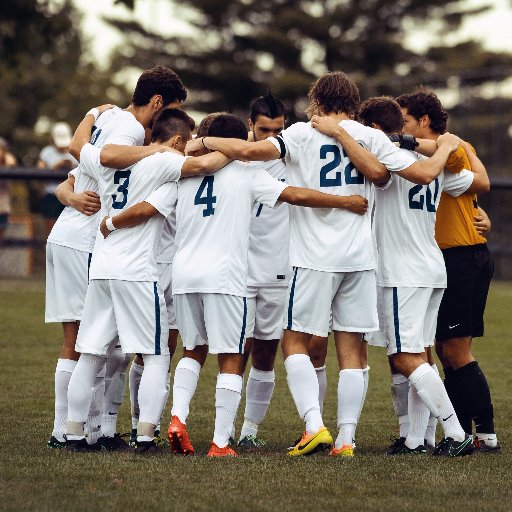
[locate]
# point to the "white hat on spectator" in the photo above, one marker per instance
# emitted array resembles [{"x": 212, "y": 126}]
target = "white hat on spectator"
[{"x": 61, "y": 135}]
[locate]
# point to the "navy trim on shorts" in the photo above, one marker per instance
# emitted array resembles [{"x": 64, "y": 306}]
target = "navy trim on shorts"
[
  {"x": 396, "y": 321},
  {"x": 244, "y": 325},
  {"x": 158, "y": 331},
  {"x": 290, "y": 302},
  {"x": 89, "y": 265}
]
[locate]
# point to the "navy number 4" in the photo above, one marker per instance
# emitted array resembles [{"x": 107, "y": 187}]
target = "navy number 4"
[
  {"x": 123, "y": 179},
  {"x": 338, "y": 155},
  {"x": 209, "y": 199}
]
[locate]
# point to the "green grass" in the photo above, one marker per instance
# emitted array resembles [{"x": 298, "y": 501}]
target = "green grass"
[{"x": 35, "y": 478}]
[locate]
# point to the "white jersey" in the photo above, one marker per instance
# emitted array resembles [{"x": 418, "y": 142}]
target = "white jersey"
[
  {"x": 328, "y": 239},
  {"x": 405, "y": 218},
  {"x": 212, "y": 234},
  {"x": 269, "y": 238},
  {"x": 74, "y": 229},
  {"x": 129, "y": 254}
]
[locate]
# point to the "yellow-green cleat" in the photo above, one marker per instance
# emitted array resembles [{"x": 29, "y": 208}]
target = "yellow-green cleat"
[{"x": 312, "y": 443}]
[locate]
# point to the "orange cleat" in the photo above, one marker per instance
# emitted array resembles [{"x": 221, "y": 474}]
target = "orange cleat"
[
  {"x": 347, "y": 450},
  {"x": 215, "y": 451},
  {"x": 178, "y": 438}
]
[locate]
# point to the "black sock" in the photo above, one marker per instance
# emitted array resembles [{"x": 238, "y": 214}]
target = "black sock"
[
  {"x": 476, "y": 396},
  {"x": 457, "y": 400}
]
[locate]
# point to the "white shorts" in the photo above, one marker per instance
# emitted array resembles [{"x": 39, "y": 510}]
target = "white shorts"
[
  {"x": 133, "y": 310},
  {"x": 409, "y": 318},
  {"x": 67, "y": 278},
  {"x": 165, "y": 282},
  {"x": 265, "y": 306},
  {"x": 312, "y": 296},
  {"x": 378, "y": 338},
  {"x": 212, "y": 319}
]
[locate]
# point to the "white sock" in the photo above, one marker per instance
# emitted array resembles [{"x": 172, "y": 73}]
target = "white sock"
[
  {"x": 80, "y": 392},
  {"x": 366, "y": 377},
  {"x": 418, "y": 419},
  {"x": 431, "y": 390},
  {"x": 184, "y": 387},
  {"x": 152, "y": 391},
  {"x": 260, "y": 386},
  {"x": 430, "y": 433},
  {"x": 93, "y": 423},
  {"x": 227, "y": 399},
  {"x": 115, "y": 376},
  {"x": 303, "y": 385},
  {"x": 350, "y": 400},
  {"x": 134, "y": 382},
  {"x": 167, "y": 390},
  {"x": 399, "y": 394},
  {"x": 63, "y": 372},
  {"x": 321, "y": 375},
  {"x": 489, "y": 439}
]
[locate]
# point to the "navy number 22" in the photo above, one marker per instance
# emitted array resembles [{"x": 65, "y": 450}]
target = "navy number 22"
[
  {"x": 208, "y": 199},
  {"x": 123, "y": 179},
  {"x": 336, "y": 181}
]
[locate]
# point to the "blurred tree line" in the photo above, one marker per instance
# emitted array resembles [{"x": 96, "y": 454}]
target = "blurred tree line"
[{"x": 237, "y": 49}]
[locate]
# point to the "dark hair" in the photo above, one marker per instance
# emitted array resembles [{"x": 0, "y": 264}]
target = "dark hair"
[
  {"x": 159, "y": 80},
  {"x": 204, "y": 125},
  {"x": 227, "y": 126},
  {"x": 424, "y": 102},
  {"x": 333, "y": 92},
  {"x": 170, "y": 122},
  {"x": 384, "y": 111},
  {"x": 267, "y": 106}
]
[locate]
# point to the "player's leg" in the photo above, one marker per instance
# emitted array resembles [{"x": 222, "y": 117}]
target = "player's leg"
[
  {"x": 261, "y": 379},
  {"x": 190, "y": 320},
  {"x": 318, "y": 353},
  {"x": 307, "y": 313}
]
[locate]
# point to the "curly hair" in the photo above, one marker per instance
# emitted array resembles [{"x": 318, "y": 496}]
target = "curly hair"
[
  {"x": 159, "y": 80},
  {"x": 384, "y": 111},
  {"x": 425, "y": 103}
]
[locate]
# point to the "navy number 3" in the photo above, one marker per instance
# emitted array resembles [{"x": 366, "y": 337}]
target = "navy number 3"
[{"x": 123, "y": 179}]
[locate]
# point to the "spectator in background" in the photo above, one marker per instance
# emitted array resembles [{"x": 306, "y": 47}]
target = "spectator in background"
[
  {"x": 7, "y": 159},
  {"x": 55, "y": 156}
]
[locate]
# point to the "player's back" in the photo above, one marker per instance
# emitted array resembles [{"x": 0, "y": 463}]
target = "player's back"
[{"x": 212, "y": 232}]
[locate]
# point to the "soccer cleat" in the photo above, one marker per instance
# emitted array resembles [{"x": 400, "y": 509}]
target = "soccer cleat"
[
  {"x": 482, "y": 447},
  {"x": 112, "y": 444},
  {"x": 251, "y": 441},
  {"x": 133, "y": 438},
  {"x": 403, "y": 449},
  {"x": 396, "y": 446},
  {"x": 312, "y": 443},
  {"x": 77, "y": 445},
  {"x": 347, "y": 450},
  {"x": 53, "y": 442},
  {"x": 145, "y": 447},
  {"x": 178, "y": 438},
  {"x": 215, "y": 451},
  {"x": 448, "y": 447}
]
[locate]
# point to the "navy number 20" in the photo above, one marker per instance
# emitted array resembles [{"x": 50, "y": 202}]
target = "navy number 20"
[
  {"x": 418, "y": 200},
  {"x": 123, "y": 179},
  {"x": 333, "y": 164},
  {"x": 208, "y": 199}
]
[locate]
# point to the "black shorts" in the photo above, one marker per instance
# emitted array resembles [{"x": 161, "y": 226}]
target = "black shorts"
[{"x": 469, "y": 270}]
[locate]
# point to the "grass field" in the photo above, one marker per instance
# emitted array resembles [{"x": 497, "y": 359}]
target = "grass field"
[{"x": 37, "y": 479}]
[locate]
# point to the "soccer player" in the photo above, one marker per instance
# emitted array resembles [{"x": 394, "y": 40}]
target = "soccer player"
[
  {"x": 411, "y": 281},
  {"x": 267, "y": 281},
  {"x": 72, "y": 239},
  {"x": 123, "y": 298},
  {"x": 469, "y": 268},
  {"x": 331, "y": 250},
  {"x": 210, "y": 281}
]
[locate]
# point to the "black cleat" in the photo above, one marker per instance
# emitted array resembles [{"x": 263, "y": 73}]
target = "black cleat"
[
  {"x": 78, "y": 445},
  {"x": 400, "y": 448},
  {"x": 53, "y": 442},
  {"x": 483, "y": 447},
  {"x": 112, "y": 444},
  {"x": 145, "y": 447},
  {"x": 448, "y": 447},
  {"x": 133, "y": 438},
  {"x": 396, "y": 446}
]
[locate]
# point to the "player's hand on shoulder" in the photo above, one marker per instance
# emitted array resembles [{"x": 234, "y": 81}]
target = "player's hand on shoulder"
[
  {"x": 103, "y": 227},
  {"x": 86, "y": 202},
  {"x": 357, "y": 204},
  {"x": 193, "y": 146},
  {"x": 325, "y": 125},
  {"x": 449, "y": 139}
]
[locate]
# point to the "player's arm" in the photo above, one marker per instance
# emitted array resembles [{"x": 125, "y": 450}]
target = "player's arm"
[
  {"x": 133, "y": 216},
  {"x": 363, "y": 160},
  {"x": 82, "y": 134},
  {"x": 482, "y": 222},
  {"x": 481, "y": 183},
  {"x": 117, "y": 156},
  {"x": 205, "y": 164},
  {"x": 86, "y": 202},
  {"x": 236, "y": 149},
  {"x": 312, "y": 198},
  {"x": 424, "y": 172}
]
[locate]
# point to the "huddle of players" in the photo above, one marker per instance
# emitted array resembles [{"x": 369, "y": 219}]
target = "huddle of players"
[{"x": 332, "y": 284}]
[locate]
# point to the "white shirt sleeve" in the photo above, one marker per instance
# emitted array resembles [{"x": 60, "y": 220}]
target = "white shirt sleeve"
[
  {"x": 293, "y": 138},
  {"x": 90, "y": 161},
  {"x": 457, "y": 184},
  {"x": 164, "y": 198},
  {"x": 73, "y": 172},
  {"x": 265, "y": 188},
  {"x": 127, "y": 134}
]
